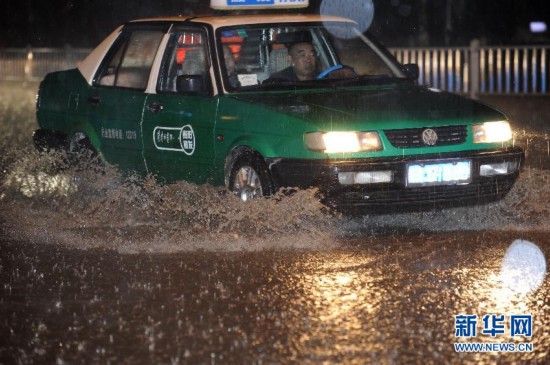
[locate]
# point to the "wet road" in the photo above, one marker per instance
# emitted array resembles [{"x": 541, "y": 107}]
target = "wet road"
[{"x": 376, "y": 299}]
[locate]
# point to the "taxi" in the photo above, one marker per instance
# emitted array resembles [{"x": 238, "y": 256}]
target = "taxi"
[{"x": 261, "y": 102}]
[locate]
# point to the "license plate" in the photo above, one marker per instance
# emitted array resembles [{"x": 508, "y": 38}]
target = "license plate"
[{"x": 439, "y": 173}]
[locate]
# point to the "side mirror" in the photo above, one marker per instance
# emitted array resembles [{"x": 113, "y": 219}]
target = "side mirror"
[
  {"x": 411, "y": 70},
  {"x": 190, "y": 84}
]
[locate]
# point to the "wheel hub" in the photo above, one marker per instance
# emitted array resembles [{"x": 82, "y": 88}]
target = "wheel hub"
[{"x": 247, "y": 184}]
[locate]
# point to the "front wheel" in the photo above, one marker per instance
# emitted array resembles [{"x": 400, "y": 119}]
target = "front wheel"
[{"x": 250, "y": 178}]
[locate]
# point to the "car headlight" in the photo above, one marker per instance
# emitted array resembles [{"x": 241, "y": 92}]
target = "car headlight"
[
  {"x": 338, "y": 142},
  {"x": 492, "y": 132}
]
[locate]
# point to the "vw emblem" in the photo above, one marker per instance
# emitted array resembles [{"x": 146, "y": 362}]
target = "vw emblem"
[{"x": 429, "y": 137}]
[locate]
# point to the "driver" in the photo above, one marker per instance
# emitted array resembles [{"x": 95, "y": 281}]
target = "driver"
[{"x": 303, "y": 63}]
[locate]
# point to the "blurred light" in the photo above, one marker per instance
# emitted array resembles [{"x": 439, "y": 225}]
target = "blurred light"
[
  {"x": 523, "y": 267},
  {"x": 362, "y": 12},
  {"x": 538, "y": 27}
]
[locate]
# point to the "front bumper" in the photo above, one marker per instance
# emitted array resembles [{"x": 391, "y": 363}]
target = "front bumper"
[{"x": 396, "y": 195}]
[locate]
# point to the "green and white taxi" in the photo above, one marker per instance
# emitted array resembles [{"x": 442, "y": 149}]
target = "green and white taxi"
[{"x": 261, "y": 102}]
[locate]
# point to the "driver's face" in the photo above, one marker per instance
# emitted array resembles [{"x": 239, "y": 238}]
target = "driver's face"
[{"x": 304, "y": 60}]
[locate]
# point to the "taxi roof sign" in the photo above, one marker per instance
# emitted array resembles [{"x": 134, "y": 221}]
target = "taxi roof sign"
[{"x": 257, "y": 4}]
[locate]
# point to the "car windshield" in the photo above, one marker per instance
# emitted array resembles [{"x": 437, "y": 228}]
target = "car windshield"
[{"x": 296, "y": 54}]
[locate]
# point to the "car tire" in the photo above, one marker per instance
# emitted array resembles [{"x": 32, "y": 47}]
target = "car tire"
[{"x": 249, "y": 177}]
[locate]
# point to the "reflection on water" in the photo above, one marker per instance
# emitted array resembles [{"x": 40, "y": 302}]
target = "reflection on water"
[
  {"x": 341, "y": 301},
  {"x": 336, "y": 294}
]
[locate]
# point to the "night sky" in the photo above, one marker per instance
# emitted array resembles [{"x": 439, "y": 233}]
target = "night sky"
[{"x": 84, "y": 23}]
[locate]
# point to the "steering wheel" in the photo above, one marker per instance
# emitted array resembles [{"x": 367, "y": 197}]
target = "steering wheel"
[{"x": 325, "y": 73}]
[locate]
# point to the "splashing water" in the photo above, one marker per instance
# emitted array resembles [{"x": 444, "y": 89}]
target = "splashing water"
[
  {"x": 46, "y": 199},
  {"x": 128, "y": 212}
]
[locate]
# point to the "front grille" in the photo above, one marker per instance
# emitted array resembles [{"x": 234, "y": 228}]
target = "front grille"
[
  {"x": 405, "y": 199},
  {"x": 412, "y": 137}
]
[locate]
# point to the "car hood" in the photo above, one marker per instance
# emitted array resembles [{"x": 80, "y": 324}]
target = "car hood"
[{"x": 388, "y": 107}]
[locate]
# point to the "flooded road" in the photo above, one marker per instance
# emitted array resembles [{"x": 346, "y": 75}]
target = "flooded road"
[
  {"x": 374, "y": 299},
  {"x": 97, "y": 267}
]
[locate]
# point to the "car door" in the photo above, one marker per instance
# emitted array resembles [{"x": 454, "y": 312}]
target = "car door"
[
  {"x": 178, "y": 121},
  {"x": 117, "y": 96}
]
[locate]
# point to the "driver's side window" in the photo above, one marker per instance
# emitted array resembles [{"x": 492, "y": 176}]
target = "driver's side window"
[{"x": 186, "y": 56}]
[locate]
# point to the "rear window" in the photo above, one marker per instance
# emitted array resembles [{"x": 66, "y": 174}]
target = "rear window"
[{"x": 128, "y": 64}]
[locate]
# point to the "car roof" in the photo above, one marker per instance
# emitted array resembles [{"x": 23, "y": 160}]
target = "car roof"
[
  {"x": 90, "y": 64},
  {"x": 233, "y": 20}
]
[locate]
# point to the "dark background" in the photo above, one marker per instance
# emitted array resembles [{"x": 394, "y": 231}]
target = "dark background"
[{"x": 84, "y": 23}]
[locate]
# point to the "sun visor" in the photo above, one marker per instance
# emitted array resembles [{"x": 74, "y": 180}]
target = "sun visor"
[{"x": 291, "y": 38}]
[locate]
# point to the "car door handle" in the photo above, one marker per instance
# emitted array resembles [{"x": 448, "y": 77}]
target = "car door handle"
[
  {"x": 94, "y": 100},
  {"x": 155, "y": 107}
]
